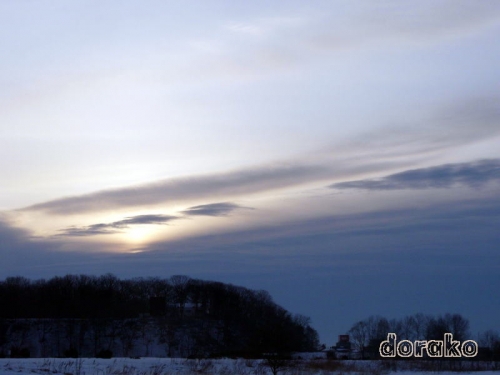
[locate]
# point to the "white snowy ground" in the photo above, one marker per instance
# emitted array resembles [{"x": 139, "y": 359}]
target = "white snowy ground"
[
  {"x": 126, "y": 366},
  {"x": 171, "y": 366}
]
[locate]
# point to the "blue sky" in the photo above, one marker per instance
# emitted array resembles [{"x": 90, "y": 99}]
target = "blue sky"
[{"x": 342, "y": 155}]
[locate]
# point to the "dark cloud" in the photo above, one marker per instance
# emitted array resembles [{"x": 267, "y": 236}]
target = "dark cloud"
[
  {"x": 91, "y": 230},
  {"x": 10, "y": 236},
  {"x": 144, "y": 219},
  {"x": 30, "y": 256},
  {"x": 473, "y": 174},
  {"x": 116, "y": 226},
  {"x": 481, "y": 216},
  {"x": 213, "y": 209}
]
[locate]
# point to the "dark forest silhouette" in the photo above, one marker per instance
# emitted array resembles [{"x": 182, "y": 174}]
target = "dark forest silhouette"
[{"x": 179, "y": 316}]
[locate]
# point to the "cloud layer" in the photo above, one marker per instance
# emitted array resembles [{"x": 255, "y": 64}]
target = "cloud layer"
[
  {"x": 117, "y": 226},
  {"x": 463, "y": 123},
  {"x": 213, "y": 209},
  {"x": 229, "y": 184},
  {"x": 473, "y": 174}
]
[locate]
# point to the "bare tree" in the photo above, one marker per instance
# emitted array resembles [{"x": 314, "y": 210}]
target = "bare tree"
[
  {"x": 458, "y": 326},
  {"x": 360, "y": 336},
  {"x": 489, "y": 338},
  {"x": 413, "y": 327},
  {"x": 455, "y": 324},
  {"x": 276, "y": 362},
  {"x": 489, "y": 341}
]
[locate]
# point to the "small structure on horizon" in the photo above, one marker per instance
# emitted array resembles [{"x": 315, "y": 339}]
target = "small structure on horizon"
[{"x": 343, "y": 349}]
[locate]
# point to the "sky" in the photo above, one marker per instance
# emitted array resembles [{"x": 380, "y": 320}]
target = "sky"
[{"x": 342, "y": 155}]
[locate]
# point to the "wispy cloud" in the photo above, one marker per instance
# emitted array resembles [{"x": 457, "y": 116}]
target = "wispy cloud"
[
  {"x": 213, "y": 209},
  {"x": 449, "y": 126},
  {"x": 305, "y": 38},
  {"x": 266, "y": 25},
  {"x": 245, "y": 181},
  {"x": 472, "y": 174},
  {"x": 116, "y": 226},
  {"x": 431, "y": 19}
]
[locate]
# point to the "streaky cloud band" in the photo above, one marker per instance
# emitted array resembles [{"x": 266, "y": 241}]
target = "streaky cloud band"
[
  {"x": 473, "y": 174},
  {"x": 116, "y": 226},
  {"x": 212, "y": 209},
  {"x": 244, "y": 181}
]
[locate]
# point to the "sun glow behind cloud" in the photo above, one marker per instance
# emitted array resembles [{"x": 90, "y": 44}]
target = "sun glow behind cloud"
[{"x": 140, "y": 235}]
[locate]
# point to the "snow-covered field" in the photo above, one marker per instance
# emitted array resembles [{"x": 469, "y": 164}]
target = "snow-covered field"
[
  {"x": 171, "y": 366},
  {"x": 128, "y": 366}
]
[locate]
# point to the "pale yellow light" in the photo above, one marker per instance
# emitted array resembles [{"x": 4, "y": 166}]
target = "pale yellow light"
[{"x": 140, "y": 234}]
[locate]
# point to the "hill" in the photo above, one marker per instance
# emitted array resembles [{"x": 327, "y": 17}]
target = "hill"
[{"x": 102, "y": 316}]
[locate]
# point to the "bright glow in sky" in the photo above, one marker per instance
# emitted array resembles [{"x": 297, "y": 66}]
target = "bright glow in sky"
[{"x": 259, "y": 131}]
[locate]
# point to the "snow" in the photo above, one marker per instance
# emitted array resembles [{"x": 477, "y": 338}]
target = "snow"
[
  {"x": 171, "y": 366},
  {"x": 125, "y": 366}
]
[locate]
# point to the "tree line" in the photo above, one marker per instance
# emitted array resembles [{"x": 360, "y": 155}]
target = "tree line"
[
  {"x": 366, "y": 335},
  {"x": 86, "y": 315}
]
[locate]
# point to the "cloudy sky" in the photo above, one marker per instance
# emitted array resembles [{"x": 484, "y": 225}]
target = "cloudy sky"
[{"x": 342, "y": 155}]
